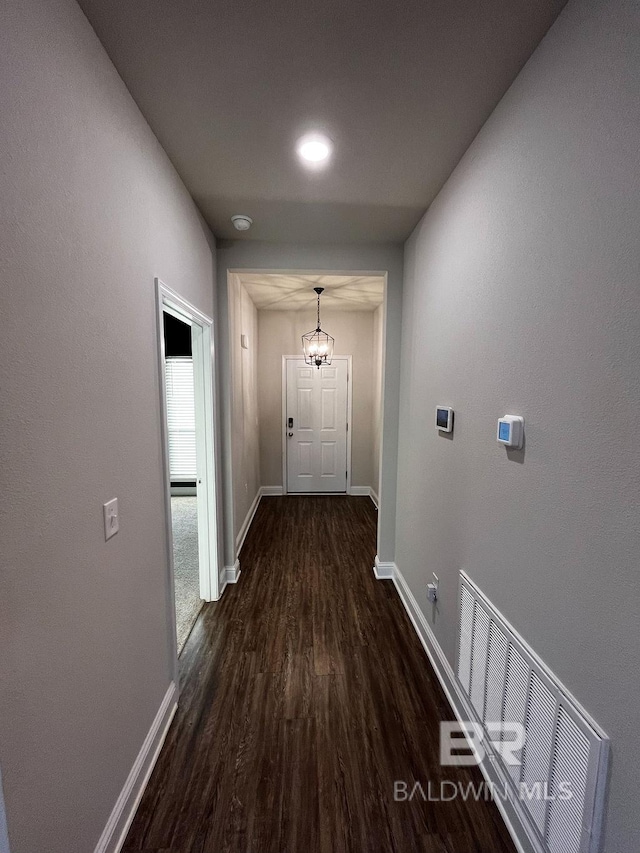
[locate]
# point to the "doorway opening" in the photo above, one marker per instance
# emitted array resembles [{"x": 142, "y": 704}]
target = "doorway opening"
[
  {"x": 181, "y": 429},
  {"x": 334, "y": 443},
  {"x": 187, "y": 415}
]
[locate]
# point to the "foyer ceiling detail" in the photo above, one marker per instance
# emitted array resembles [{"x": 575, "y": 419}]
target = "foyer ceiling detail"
[
  {"x": 279, "y": 292},
  {"x": 400, "y": 89}
]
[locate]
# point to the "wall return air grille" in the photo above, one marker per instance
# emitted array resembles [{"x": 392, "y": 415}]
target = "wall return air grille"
[{"x": 505, "y": 681}]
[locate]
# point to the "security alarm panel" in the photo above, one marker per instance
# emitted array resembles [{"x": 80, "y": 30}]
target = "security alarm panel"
[{"x": 444, "y": 418}]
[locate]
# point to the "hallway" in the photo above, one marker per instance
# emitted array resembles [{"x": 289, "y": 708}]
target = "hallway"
[{"x": 305, "y": 693}]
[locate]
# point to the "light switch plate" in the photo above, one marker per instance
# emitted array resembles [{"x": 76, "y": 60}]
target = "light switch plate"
[
  {"x": 244, "y": 341},
  {"x": 111, "y": 518}
]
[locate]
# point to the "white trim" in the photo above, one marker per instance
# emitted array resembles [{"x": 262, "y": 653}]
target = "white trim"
[
  {"x": 461, "y": 709},
  {"x": 222, "y": 580},
  {"x": 204, "y": 372},
  {"x": 283, "y": 423},
  {"x": 365, "y": 491},
  {"x": 115, "y": 831},
  {"x": 246, "y": 524},
  {"x": 232, "y": 573},
  {"x": 4, "y": 835},
  {"x": 360, "y": 491},
  {"x": 383, "y": 571},
  {"x": 349, "y": 360},
  {"x": 317, "y": 495},
  {"x": 349, "y": 416},
  {"x": 270, "y": 491},
  {"x": 263, "y": 491},
  {"x": 205, "y": 460}
]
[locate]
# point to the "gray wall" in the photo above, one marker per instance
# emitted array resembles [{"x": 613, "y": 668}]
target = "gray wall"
[
  {"x": 92, "y": 210},
  {"x": 280, "y": 334},
  {"x": 255, "y": 255},
  {"x": 522, "y": 295}
]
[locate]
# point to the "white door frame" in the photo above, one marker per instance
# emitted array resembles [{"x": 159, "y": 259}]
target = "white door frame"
[
  {"x": 203, "y": 372},
  {"x": 299, "y": 357},
  {"x": 4, "y": 835}
]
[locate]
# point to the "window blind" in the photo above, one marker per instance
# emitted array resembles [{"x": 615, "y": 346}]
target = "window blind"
[{"x": 181, "y": 420}]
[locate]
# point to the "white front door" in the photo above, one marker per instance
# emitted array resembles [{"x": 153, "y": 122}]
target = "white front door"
[{"x": 316, "y": 426}]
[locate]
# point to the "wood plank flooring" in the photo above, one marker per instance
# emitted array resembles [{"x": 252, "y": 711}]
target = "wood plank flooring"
[{"x": 305, "y": 695}]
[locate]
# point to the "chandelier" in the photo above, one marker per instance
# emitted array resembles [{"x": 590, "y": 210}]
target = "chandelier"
[{"x": 318, "y": 345}]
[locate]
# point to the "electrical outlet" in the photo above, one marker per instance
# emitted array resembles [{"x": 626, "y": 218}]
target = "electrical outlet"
[{"x": 111, "y": 518}]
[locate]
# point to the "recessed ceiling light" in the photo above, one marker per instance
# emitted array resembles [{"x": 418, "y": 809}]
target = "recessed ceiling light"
[
  {"x": 314, "y": 149},
  {"x": 242, "y": 222}
]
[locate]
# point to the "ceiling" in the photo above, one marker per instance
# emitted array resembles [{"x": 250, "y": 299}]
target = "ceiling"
[
  {"x": 277, "y": 292},
  {"x": 401, "y": 87}
]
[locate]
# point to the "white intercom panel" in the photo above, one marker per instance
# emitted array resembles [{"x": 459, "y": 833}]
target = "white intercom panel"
[{"x": 444, "y": 418}]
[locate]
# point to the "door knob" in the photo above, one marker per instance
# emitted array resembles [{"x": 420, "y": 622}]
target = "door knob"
[{"x": 290, "y": 434}]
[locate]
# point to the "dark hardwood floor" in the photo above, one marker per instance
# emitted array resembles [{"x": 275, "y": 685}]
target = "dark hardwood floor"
[{"x": 305, "y": 695}]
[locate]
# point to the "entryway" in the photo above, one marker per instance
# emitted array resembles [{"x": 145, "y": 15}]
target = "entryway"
[{"x": 334, "y": 444}]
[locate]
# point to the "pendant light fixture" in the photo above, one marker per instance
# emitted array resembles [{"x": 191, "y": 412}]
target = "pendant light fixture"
[{"x": 318, "y": 345}]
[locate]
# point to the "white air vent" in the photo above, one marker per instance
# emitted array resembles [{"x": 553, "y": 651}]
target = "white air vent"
[{"x": 565, "y": 750}]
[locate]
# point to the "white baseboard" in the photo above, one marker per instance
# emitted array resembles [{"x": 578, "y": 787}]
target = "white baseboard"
[
  {"x": 263, "y": 491},
  {"x": 360, "y": 491},
  {"x": 270, "y": 491},
  {"x": 222, "y": 582},
  {"x": 365, "y": 492},
  {"x": 115, "y": 831},
  {"x": 383, "y": 571},
  {"x": 232, "y": 573},
  {"x": 246, "y": 524},
  {"x": 461, "y": 709}
]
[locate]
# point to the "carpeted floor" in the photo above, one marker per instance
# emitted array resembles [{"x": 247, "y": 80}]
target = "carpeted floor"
[{"x": 184, "y": 521}]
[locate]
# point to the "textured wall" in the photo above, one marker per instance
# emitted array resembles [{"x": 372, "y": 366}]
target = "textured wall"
[
  {"x": 280, "y": 333},
  {"x": 92, "y": 210},
  {"x": 522, "y": 295}
]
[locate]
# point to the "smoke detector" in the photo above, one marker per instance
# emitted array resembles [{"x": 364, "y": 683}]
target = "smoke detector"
[{"x": 242, "y": 222}]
